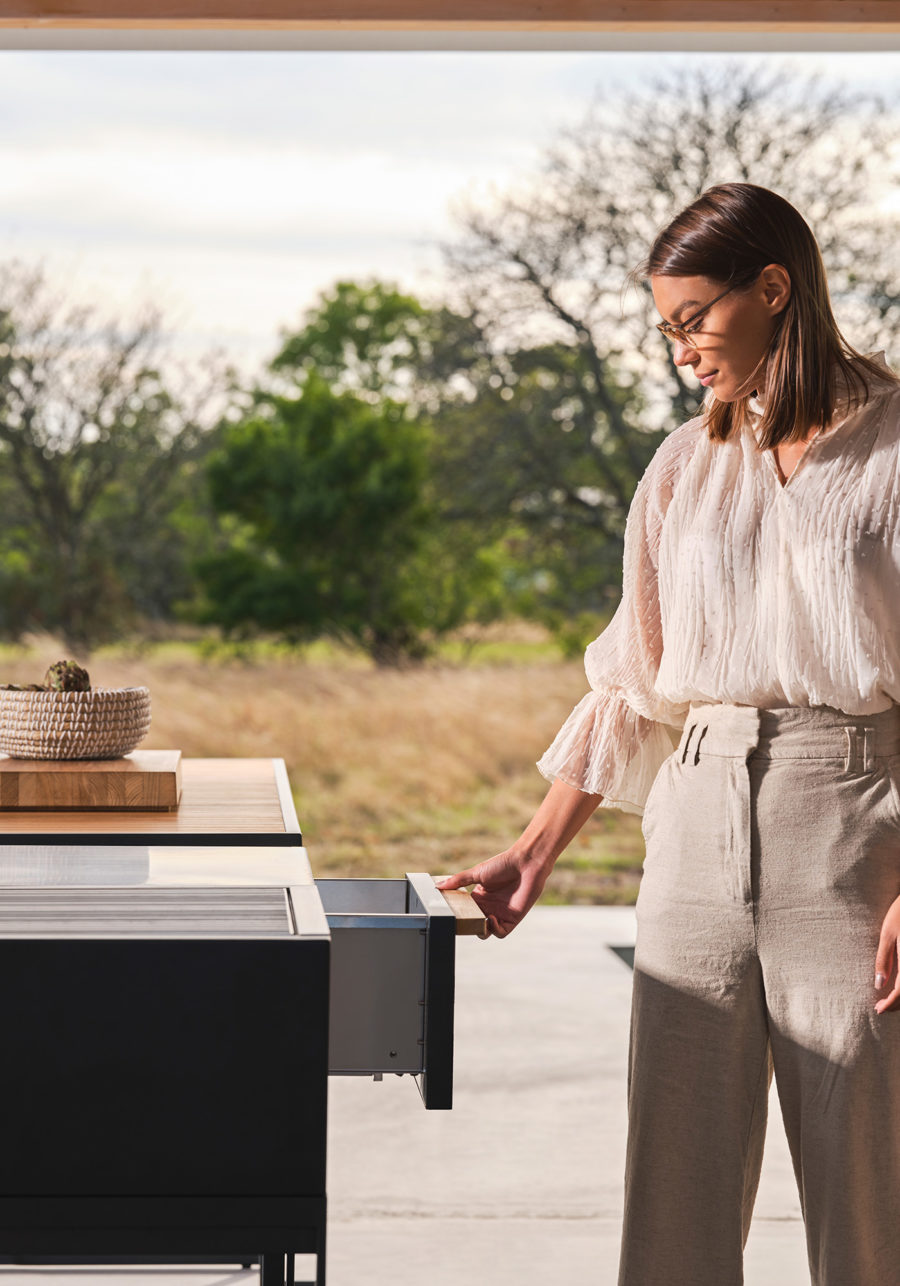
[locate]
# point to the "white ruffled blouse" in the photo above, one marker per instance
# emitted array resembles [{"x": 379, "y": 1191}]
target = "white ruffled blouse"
[{"x": 740, "y": 588}]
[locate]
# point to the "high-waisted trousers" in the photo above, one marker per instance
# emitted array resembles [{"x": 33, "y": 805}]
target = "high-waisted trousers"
[{"x": 773, "y": 854}]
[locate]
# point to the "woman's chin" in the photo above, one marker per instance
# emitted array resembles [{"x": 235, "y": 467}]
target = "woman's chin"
[{"x": 724, "y": 390}]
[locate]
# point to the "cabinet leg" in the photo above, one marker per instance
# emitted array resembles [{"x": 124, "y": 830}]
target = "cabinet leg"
[
  {"x": 320, "y": 1257},
  {"x": 277, "y": 1268},
  {"x": 271, "y": 1268}
]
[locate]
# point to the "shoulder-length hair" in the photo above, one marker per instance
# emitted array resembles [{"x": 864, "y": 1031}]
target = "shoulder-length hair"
[{"x": 729, "y": 234}]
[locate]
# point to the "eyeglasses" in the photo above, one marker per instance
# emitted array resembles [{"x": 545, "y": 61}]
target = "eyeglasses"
[{"x": 683, "y": 331}]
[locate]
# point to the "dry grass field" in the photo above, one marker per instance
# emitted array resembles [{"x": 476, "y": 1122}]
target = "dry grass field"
[{"x": 423, "y": 769}]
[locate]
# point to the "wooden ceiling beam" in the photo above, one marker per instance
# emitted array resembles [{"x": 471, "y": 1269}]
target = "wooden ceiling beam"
[{"x": 837, "y": 16}]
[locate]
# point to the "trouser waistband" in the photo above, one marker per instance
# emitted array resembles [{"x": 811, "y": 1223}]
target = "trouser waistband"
[{"x": 794, "y": 732}]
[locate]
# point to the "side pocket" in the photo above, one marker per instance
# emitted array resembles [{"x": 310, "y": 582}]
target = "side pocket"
[{"x": 658, "y": 786}]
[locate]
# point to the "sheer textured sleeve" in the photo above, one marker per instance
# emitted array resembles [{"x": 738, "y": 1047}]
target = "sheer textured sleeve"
[{"x": 618, "y": 735}]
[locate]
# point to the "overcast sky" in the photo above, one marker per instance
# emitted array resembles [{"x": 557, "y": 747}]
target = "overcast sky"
[{"x": 232, "y": 187}]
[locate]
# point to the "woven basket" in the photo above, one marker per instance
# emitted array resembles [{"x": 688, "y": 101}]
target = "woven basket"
[{"x": 104, "y": 723}]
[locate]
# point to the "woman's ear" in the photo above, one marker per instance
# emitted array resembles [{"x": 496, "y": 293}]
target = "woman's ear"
[{"x": 776, "y": 286}]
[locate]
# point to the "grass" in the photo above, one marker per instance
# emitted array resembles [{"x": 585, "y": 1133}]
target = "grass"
[{"x": 429, "y": 768}]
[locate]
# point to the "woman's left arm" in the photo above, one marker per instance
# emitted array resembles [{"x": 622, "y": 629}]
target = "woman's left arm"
[{"x": 886, "y": 959}]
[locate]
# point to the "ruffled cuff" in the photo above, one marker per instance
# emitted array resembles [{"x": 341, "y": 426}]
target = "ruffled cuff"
[{"x": 606, "y": 748}]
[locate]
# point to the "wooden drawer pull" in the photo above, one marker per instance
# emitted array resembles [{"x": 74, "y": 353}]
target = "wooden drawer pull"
[{"x": 470, "y": 919}]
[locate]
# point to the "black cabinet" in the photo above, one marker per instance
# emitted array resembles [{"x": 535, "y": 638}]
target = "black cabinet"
[{"x": 171, "y": 1013}]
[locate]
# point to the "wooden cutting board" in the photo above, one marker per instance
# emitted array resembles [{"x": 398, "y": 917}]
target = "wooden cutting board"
[{"x": 149, "y": 780}]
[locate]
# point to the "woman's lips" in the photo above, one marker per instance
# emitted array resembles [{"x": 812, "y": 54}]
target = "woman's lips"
[{"x": 707, "y": 379}]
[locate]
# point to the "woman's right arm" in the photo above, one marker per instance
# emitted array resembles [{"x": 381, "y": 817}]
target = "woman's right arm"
[
  {"x": 610, "y": 748},
  {"x": 508, "y": 885}
]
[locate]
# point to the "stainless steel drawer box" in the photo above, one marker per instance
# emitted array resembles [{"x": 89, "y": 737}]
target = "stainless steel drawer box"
[{"x": 393, "y": 946}]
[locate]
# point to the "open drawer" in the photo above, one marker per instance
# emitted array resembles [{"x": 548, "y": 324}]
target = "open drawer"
[
  {"x": 393, "y": 945},
  {"x": 374, "y": 957}
]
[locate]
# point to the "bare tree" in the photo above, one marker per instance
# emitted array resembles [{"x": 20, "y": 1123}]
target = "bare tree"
[
  {"x": 92, "y": 443},
  {"x": 561, "y": 250},
  {"x": 543, "y": 268}
]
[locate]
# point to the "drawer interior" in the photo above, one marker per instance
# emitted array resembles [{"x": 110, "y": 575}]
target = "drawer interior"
[{"x": 363, "y": 897}]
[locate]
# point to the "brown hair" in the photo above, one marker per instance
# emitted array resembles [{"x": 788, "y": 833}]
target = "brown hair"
[{"x": 729, "y": 234}]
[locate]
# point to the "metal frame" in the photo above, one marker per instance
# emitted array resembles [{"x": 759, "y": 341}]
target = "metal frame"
[
  {"x": 436, "y": 1081},
  {"x": 128, "y": 994}
]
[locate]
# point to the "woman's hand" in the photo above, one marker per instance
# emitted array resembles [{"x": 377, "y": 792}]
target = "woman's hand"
[
  {"x": 886, "y": 959},
  {"x": 506, "y": 887}
]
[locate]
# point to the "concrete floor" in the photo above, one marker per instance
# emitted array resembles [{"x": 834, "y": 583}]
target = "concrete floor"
[{"x": 521, "y": 1182}]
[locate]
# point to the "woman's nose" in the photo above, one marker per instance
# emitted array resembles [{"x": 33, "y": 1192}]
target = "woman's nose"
[{"x": 684, "y": 355}]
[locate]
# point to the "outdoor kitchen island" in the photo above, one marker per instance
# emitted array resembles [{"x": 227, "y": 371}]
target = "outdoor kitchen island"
[{"x": 176, "y": 990}]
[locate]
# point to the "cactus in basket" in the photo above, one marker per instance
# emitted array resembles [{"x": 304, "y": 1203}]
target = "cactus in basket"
[
  {"x": 63, "y": 676},
  {"x": 65, "y": 718},
  {"x": 66, "y": 676}
]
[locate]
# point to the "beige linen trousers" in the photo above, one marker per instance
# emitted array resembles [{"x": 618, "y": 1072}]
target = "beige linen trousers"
[{"x": 773, "y": 854}]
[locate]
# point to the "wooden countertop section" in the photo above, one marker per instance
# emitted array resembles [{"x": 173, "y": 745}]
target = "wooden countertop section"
[{"x": 225, "y": 798}]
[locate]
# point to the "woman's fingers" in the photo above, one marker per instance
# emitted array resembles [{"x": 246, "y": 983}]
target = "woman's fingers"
[
  {"x": 884, "y": 957},
  {"x": 447, "y": 883},
  {"x": 496, "y": 910},
  {"x": 458, "y": 881},
  {"x": 497, "y": 929},
  {"x": 884, "y": 964},
  {"x": 496, "y": 890},
  {"x": 889, "y": 1002}
]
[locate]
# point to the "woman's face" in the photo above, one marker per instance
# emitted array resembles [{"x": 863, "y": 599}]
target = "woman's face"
[{"x": 728, "y": 341}]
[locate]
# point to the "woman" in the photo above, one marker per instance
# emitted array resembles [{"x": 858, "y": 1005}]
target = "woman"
[{"x": 744, "y": 699}]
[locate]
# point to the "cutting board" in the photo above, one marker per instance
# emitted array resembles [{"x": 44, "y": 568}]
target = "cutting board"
[{"x": 149, "y": 780}]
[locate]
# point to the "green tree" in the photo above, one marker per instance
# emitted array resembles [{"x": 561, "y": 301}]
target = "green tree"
[
  {"x": 532, "y": 465},
  {"x": 366, "y": 337},
  {"x": 330, "y": 531},
  {"x": 529, "y": 486},
  {"x": 371, "y": 339}
]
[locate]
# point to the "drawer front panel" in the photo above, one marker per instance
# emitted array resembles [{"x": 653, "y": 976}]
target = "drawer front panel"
[{"x": 145, "y": 1068}]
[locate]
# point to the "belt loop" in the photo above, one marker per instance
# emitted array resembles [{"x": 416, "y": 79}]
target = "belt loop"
[
  {"x": 687, "y": 742},
  {"x": 699, "y": 739},
  {"x": 868, "y": 749},
  {"x": 850, "y": 758}
]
